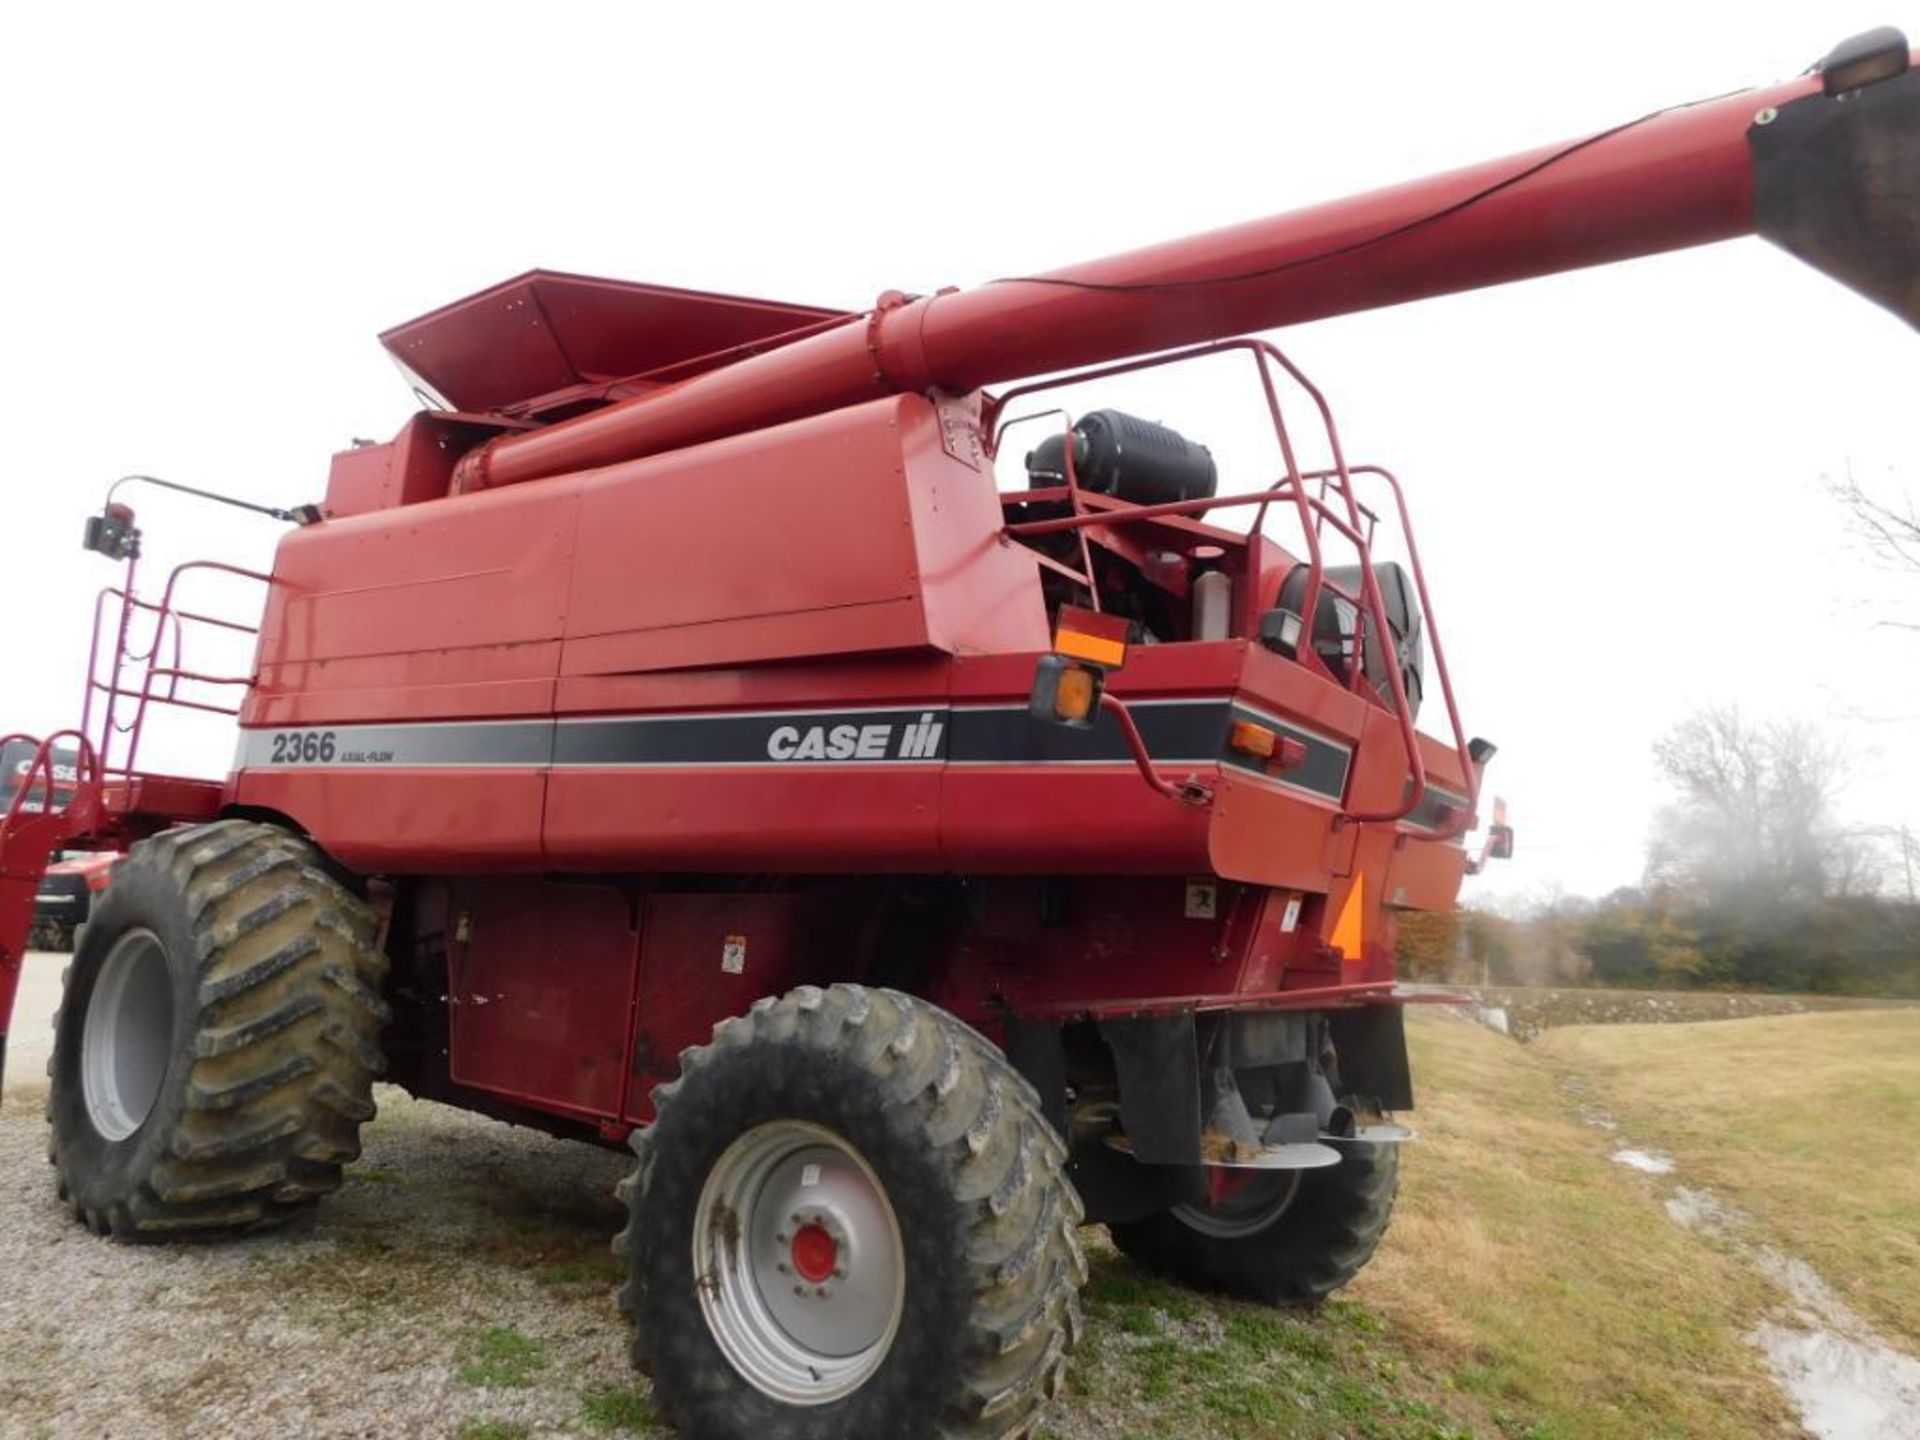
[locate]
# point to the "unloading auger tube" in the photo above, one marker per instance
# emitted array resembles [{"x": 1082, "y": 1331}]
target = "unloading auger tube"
[{"x": 1823, "y": 166}]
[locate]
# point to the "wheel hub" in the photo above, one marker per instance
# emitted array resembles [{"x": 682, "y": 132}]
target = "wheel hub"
[
  {"x": 1237, "y": 1211},
  {"x": 799, "y": 1262},
  {"x": 816, "y": 1254},
  {"x": 127, "y": 1038}
]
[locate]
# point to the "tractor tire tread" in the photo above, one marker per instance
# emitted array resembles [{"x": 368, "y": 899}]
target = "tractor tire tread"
[
  {"x": 1005, "y": 1168},
  {"x": 284, "y": 1046},
  {"x": 1325, "y": 1238}
]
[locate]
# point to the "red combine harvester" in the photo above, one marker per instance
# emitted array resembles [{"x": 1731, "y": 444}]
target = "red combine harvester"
[{"x": 674, "y": 735}]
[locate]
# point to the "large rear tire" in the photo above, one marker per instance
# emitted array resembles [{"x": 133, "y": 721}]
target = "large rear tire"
[
  {"x": 215, "y": 1050},
  {"x": 851, "y": 1218},
  {"x": 1286, "y": 1237}
]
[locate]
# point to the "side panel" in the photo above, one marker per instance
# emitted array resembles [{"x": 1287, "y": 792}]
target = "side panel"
[
  {"x": 541, "y": 976},
  {"x": 706, "y": 957},
  {"x": 852, "y": 532},
  {"x": 663, "y": 772},
  {"x": 470, "y": 574},
  {"x": 449, "y": 610},
  {"x": 781, "y": 544},
  {"x": 1057, "y": 949},
  {"x": 439, "y": 820}
]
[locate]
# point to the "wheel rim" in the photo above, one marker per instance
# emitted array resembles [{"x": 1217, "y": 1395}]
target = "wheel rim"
[
  {"x": 1254, "y": 1207},
  {"x": 128, "y": 1036},
  {"x": 798, "y": 1262}
]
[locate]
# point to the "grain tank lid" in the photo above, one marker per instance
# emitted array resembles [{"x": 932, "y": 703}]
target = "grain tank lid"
[{"x": 544, "y": 335}]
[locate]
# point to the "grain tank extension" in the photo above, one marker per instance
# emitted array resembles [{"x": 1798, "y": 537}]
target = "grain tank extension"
[{"x": 675, "y": 736}]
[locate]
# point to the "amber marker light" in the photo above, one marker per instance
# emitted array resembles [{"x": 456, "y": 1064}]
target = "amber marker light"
[
  {"x": 1066, "y": 692},
  {"x": 1076, "y": 694},
  {"x": 1251, "y": 739}
]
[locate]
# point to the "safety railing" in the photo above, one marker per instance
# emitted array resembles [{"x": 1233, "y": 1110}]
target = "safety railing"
[
  {"x": 1323, "y": 501},
  {"x": 151, "y": 674},
  {"x": 38, "y": 789}
]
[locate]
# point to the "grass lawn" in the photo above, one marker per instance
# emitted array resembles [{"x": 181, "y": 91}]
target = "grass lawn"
[
  {"x": 1528, "y": 1289},
  {"x": 1810, "y": 1123}
]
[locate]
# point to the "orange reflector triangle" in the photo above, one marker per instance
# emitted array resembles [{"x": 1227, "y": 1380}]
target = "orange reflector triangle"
[{"x": 1350, "y": 933}]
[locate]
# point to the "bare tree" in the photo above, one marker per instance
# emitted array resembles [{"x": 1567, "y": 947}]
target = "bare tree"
[
  {"x": 1752, "y": 813},
  {"x": 1890, "y": 529}
]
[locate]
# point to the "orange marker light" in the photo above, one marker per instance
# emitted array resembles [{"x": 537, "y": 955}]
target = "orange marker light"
[
  {"x": 1089, "y": 635},
  {"x": 1075, "y": 697},
  {"x": 1251, "y": 739}
]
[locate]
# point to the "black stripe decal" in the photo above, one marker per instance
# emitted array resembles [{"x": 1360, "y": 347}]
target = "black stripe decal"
[
  {"x": 918, "y": 735},
  {"x": 1191, "y": 732},
  {"x": 1324, "y": 771},
  {"x": 1426, "y": 815},
  {"x": 516, "y": 743}
]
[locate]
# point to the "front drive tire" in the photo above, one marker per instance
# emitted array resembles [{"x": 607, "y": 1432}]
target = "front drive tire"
[
  {"x": 851, "y": 1218},
  {"x": 215, "y": 1049},
  {"x": 1286, "y": 1238}
]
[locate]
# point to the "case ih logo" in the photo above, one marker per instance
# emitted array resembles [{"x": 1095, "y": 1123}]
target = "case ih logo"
[
  {"x": 62, "y": 774},
  {"x": 916, "y": 740}
]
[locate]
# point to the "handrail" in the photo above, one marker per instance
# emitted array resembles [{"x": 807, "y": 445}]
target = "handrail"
[
  {"x": 1190, "y": 791},
  {"x": 86, "y": 778},
  {"x": 1075, "y": 498},
  {"x": 1316, "y": 514},
  {"x": 1471, "y": 771},
  {"x": 159, "y": 683}
]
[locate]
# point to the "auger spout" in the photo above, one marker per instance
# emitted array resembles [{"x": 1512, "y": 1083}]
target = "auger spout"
[{"x": 1823, "y": 165}]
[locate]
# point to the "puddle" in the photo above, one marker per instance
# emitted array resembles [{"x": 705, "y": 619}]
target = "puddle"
[
  {"x": 1843, "y": 1379},
  {"x": 1701, "y": 1210},
  {"x": 1847, "y": 1383},
  {"x": 1844, "y": 1389},
  {"x": 1647, "y": 1162}
]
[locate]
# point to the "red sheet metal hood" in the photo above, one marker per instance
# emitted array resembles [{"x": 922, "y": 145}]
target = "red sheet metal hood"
[{"x": 545, "y": 338}]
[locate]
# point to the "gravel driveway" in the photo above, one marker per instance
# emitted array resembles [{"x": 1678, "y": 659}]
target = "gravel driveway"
[{"x": 460, "y": 1284}]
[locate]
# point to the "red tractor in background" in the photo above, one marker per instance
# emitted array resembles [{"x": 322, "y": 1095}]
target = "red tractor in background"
[
  {"x": 674, "y": 736},
  {"x": 72, "y": 878}
]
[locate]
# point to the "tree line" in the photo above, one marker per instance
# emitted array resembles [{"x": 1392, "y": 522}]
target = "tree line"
[{"x": 1750, "y": 884}]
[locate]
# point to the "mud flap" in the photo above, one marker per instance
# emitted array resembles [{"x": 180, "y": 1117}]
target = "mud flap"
[
  {"x": 1370, "y": 1049},
  {"x": 1157, "y": 1061}
]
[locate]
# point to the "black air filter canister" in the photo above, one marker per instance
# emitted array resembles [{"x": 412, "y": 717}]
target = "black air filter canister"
[{"x": 1122, "y": 455}]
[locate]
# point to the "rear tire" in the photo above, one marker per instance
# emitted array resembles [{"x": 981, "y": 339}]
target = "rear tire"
[
  {"x": 1289, "y": 1238},
  {"x": 903, "y": 1174},
  {"x": 215, "y": 1050}
]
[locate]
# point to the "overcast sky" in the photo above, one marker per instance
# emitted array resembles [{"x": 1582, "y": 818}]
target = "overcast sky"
[{"x": 1618, "y": 475}]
